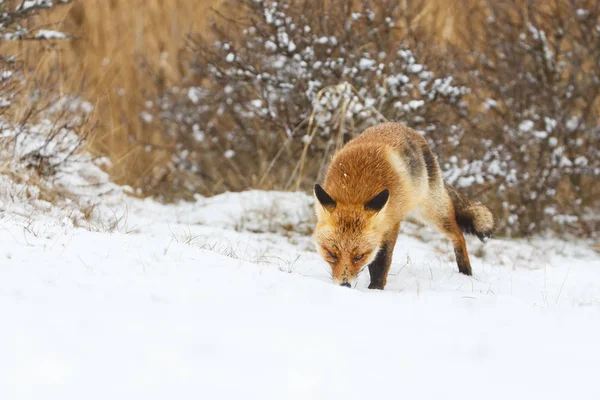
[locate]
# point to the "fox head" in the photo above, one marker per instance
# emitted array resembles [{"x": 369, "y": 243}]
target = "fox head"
[{"x": 346, "y": 235}]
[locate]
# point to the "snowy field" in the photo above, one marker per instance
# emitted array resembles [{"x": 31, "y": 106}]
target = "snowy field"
[{"x": 104, "y": 296}]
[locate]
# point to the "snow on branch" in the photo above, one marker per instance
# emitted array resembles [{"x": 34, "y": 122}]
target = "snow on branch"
[{"x": 10, "y": 20}]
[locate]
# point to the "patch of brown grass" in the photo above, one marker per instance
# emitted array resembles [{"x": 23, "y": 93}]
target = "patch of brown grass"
[
  {"x": 129, "y": 51},
  {"x": 124, "y": 53}
]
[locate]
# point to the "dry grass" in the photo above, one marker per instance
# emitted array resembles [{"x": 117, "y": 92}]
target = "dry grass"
[
  {"x": 126, "y": 51},
  {"x": 126, "y": 54}
]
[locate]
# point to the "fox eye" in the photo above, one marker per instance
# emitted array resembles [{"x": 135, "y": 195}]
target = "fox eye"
[
  {"x": 358, "y": 258},
  {"x": 331, "y": 255}
]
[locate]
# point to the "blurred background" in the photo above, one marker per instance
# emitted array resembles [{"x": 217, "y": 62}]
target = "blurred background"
[{"x": 186, "y": 97}]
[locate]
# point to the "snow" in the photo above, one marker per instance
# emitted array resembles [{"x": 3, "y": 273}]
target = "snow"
[
  {"x": 194, "y": 95},
  {"x": 582, "y": 13},
  {"x": 411, "y": 106},
  {"x": 199, "y": 135},
  {"x": 291, "y": 46},
  {"x": 414, "y": 104},
  {"x": 225, "y": 298},
  {"x": 146, "y": 117},
  {"x": 158, "y": 312},
  {"x": 27, "y": 4},
  {"x": 540, "y": 134},
  {"x": 550, "y": 124},
  {"x": 489, "y": 104},
  {"x": 5, "y": 75},
  {"x": 47, "y": 34},
  {"x": 283, "y": 38},
  {"x": 526, "y": 125},
  {"x": 415, "y": 68},
  {"x": 572, "y": 123},
  {"x": 366, "y": 63},
  {"x": 229, "y": 153},
  {"x": 269, "y": 45}
]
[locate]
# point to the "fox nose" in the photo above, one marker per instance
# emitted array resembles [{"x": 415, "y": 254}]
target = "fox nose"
[{"x": 345, "y": 284}]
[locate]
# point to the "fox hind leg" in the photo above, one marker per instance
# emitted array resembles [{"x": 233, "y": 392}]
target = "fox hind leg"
[
  {"x": 443, "y": 217},
  {"x": 451, "y": 229}
]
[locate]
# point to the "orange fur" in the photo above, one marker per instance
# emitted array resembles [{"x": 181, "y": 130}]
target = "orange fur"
[{"x": 351, "y": 235}]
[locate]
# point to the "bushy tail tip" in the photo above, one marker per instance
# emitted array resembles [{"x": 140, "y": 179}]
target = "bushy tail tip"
[{"x": 472, "y": 217}]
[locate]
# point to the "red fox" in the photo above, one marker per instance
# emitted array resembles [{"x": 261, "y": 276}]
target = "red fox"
[{"x": 370, "y": 186}]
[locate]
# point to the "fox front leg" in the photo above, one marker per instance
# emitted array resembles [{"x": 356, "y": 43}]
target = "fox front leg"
[{"x": 380, "y": 266}]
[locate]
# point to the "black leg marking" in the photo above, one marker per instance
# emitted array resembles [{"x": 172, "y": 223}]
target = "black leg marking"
[
  {"x": 464, "y": 267},
  {"x": 378, "y": 268}
]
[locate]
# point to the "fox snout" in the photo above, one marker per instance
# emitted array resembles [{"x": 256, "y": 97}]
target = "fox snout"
[{"x": 345, "y": 279}]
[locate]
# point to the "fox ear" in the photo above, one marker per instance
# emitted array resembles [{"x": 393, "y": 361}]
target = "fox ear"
[
  {"x": 378, "y": 202},
  {"x": 326, "y": 201}
]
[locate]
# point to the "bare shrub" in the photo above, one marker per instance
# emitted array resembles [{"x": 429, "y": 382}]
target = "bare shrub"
[
  {"x": 42, "y": 130},
  {"x": 23, "y": 104},
  {"x": 273, "y": 95},
  {"x": 532, "y": 141},
  {"x": 13, "y": 16},
  {"x": 40, "y": 135}
]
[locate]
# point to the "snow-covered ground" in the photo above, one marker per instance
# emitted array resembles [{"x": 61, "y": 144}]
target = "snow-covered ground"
[{"x": 104, "y": 296}]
